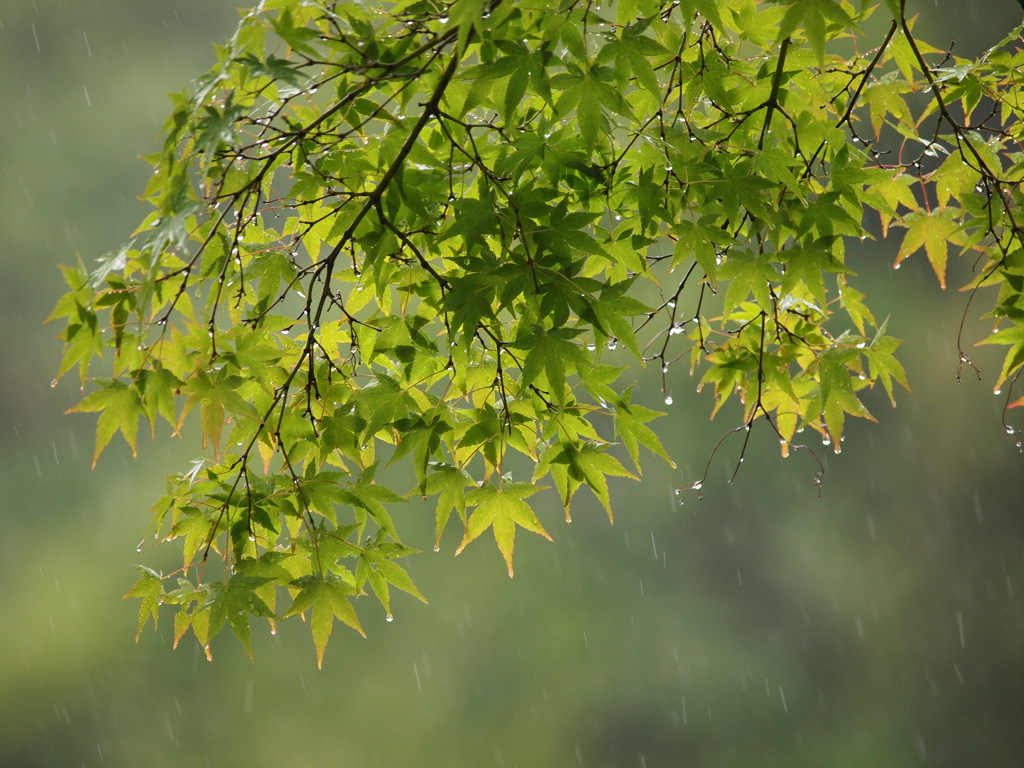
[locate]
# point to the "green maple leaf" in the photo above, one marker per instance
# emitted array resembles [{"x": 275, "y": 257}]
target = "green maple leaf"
[
  {"x": 329, "y": 597},
  {"x": 149, "y": 589},
  {"x": 631, "y": 428},
  {"x": 449, "y": 483},
  {"x": 502, "y": 509},
  {"x": 572, "y": 465},
  {"x": 120, "y": 407}
]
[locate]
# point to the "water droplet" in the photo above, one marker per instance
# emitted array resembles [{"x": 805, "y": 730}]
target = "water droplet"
[
  {"x": 668, "y": 399},
  {"x": 390, "y": 618},
  {"x": 1009, "y": 429}
]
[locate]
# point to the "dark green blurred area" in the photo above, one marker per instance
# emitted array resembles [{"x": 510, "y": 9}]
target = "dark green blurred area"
[{"x": 877, "y": 625}]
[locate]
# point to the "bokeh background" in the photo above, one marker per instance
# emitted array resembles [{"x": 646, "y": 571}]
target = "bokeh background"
[{"x": 879, "y": 624}]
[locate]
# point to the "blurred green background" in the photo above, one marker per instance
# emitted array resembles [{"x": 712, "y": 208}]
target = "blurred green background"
[{"x": 879, "y": 624}]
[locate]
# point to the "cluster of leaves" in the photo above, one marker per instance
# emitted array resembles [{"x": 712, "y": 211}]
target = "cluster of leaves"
[{"x": 413, "y": 232}]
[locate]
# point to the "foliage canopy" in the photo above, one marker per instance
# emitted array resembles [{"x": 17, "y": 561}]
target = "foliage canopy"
[{"x": 415, "y": 232}]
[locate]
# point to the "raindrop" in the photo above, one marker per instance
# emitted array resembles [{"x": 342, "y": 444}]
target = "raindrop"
[
  {"x": 668, "y": 399},
  {"x": 1009, "y": 429},
  {"x": 664, "y": 368},
  {"x": 390, "y": 618}
]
